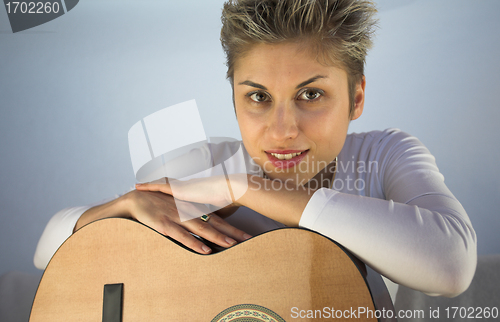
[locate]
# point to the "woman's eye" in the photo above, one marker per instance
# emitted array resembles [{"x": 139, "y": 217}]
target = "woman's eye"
[
  {"x": 259, "y": 96},
  {"x": 310, "y": 94}
]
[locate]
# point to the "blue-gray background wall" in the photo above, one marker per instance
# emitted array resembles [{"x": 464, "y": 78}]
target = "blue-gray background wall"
[{"x": 70, "y": 90}]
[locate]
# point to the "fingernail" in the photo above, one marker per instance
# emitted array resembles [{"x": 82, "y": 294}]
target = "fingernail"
[
  {"x": 246, "y": 236},
  {"x": 138, "y": 184},
  {"x": 205, "y": 248},
  {"x": 230, "y": 241}
]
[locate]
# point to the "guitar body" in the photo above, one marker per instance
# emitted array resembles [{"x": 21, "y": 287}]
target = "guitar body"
[{"x": 279, "y": 274}]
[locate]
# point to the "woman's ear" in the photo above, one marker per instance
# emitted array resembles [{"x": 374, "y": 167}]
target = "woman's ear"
[{"x": 359, "y": 99}]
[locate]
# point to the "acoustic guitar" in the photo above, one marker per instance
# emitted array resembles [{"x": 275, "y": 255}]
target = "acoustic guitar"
[{"x": 120, "y": 270}]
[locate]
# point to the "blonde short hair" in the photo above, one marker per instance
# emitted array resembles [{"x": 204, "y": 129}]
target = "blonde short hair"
[{"x": 338, "y": 31}]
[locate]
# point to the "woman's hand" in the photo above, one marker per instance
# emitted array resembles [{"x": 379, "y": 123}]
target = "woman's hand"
[
  {"x": 158, "y": 211},
  {"x": 217, "y": 190},
  {"x": 282, "y": 202}
]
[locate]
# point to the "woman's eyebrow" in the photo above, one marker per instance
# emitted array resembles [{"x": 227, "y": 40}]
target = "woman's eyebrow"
[
  {"x": 310, "y": 80},
  {"x": 250, "y": 83}
]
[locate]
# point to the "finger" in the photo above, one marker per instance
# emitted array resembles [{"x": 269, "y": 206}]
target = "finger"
[
  {"x": 208, "y": 232},
  {"x": 184, "y": 237},
  {"x": 162, "y": 187},
  {"x": 229, "y": 230}
]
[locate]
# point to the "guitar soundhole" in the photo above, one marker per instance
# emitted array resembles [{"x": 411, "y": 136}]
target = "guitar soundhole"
[{"x": 247, "y": 313}]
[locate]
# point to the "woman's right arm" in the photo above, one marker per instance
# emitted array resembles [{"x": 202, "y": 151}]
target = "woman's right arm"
[{"x": 154, "y": 209}]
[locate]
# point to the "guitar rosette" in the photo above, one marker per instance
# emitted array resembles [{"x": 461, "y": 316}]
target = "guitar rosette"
[{"x": 247, "y": 312}]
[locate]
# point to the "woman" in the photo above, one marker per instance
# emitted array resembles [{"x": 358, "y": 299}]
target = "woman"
[{"x": 296, "y": 69}]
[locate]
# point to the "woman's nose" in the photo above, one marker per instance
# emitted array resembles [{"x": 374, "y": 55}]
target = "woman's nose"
[{"x": 283, "y": 122}]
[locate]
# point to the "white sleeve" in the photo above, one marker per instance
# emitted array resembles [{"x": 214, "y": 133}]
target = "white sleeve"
[
  {"x": 419, "y": 236},
  {"x": 59, "y": 228}
]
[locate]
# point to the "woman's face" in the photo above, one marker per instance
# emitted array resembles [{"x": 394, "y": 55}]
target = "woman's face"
[{"x": 293, "y": 112}]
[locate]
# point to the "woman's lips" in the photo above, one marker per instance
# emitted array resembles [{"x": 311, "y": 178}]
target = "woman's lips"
[{"x": 286, "y": 161}]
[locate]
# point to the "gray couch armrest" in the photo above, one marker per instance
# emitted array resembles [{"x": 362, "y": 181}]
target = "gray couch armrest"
[{"x": 17, "y": 291}]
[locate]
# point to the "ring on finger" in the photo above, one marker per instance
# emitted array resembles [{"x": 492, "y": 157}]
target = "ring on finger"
[{"x": 205, "y": 218}]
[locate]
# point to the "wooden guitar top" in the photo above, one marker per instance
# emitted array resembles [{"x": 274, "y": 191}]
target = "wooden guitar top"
[{"x": 163, "y": 281}]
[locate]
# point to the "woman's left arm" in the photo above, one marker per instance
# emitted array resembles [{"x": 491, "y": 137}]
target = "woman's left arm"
[{"x": 420, "y": 245}]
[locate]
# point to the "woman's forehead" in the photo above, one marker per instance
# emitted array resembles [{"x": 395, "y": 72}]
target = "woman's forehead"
[{"x": 290, "y": 60}]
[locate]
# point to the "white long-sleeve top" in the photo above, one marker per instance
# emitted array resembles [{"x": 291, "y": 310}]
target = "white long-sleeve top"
[{"x": 388, "y": 205}]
